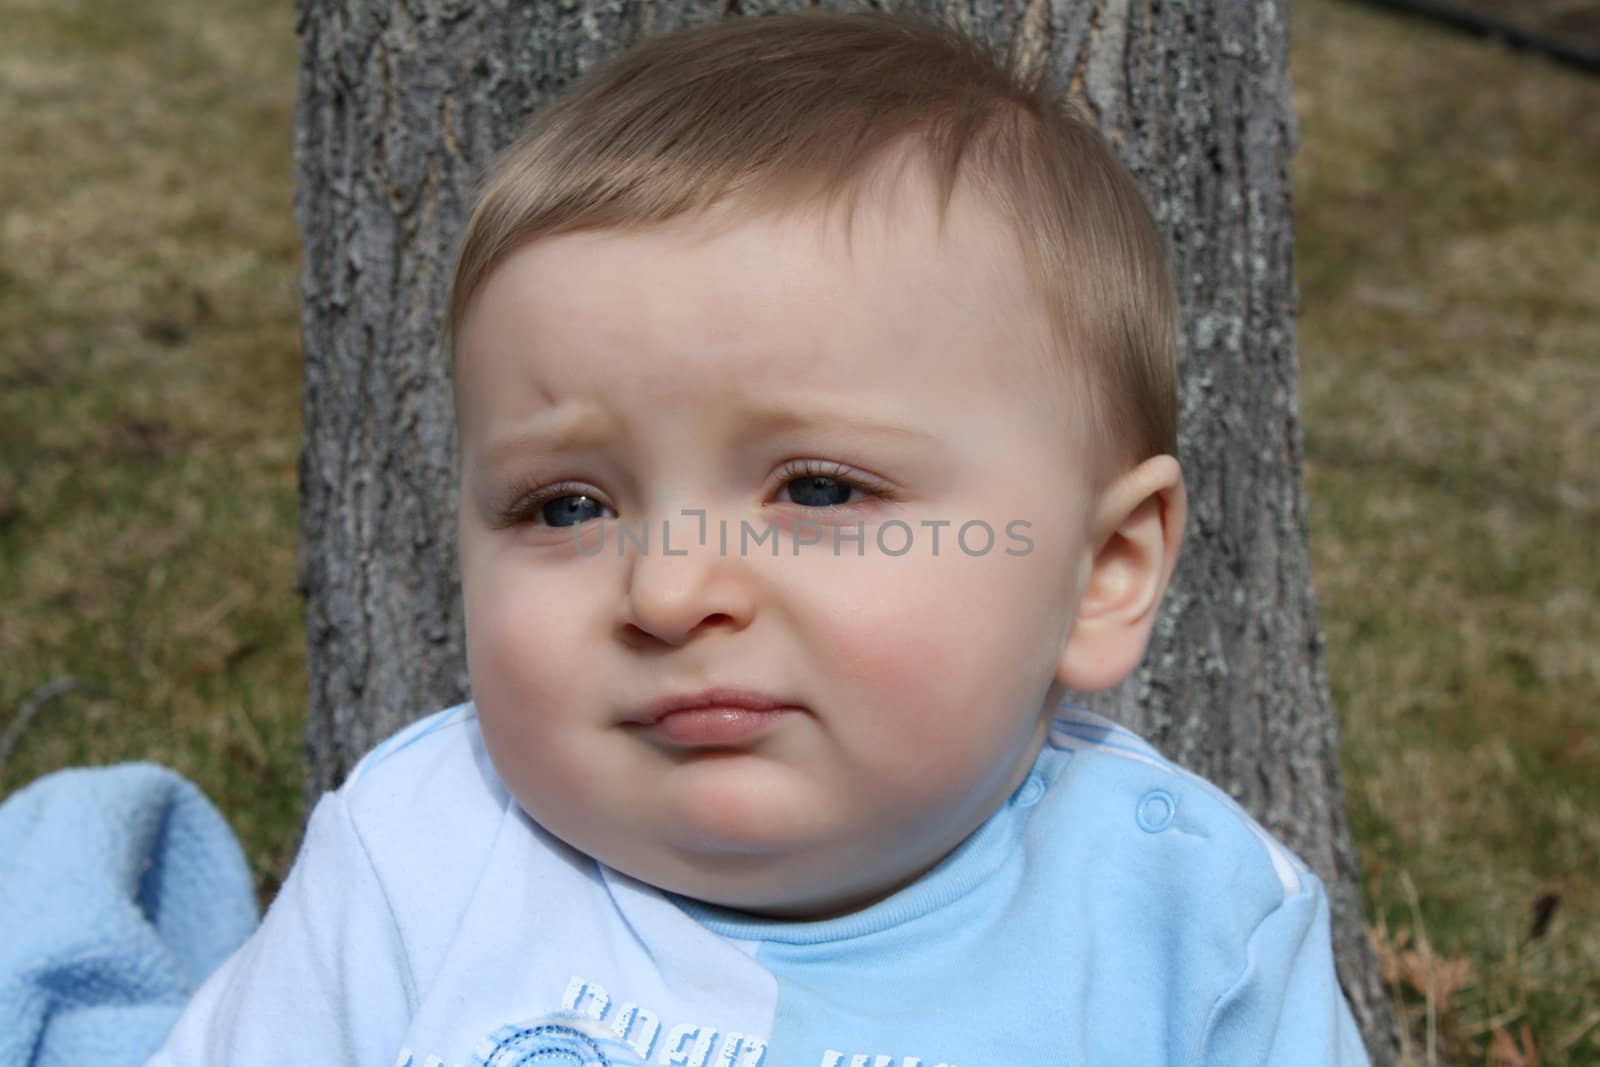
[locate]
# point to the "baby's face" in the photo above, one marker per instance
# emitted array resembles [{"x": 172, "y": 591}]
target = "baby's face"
[{"x": 770, "y": 389}]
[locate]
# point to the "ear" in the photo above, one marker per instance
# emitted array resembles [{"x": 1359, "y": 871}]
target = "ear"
[{"x": 1135, "y": 538}]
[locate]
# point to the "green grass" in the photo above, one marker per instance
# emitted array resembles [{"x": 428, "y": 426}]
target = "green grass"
[
  {"x": 1449, "y": 265},
  {"x": 149, "y": 398},
  {"x": 1448, "y": 254}
]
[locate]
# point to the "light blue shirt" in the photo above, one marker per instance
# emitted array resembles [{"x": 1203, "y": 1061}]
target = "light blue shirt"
[{"x": 1116, "y": 910}]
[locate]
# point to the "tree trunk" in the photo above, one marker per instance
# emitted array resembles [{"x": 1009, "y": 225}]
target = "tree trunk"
[{"x": 402, "y": 103}]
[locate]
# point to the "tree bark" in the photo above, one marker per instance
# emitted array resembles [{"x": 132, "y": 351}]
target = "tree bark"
[{"x": 402, "y": 102}]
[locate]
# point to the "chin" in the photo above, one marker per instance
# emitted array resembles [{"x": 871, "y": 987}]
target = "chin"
[
  {"x": 789, "y": 901},
  {"x": 735, "y": 813},
  {"x": 775, "y": 879},
  {"x": 752, "y": 876}
]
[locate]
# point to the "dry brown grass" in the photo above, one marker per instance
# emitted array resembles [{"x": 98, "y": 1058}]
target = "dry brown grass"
[
  {"x": 1448, "y": 252},
  {"x": 149, "y": 397}
]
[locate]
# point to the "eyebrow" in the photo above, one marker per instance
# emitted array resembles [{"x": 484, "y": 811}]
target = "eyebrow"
[
  {"x": 591, "y": 426},
  {"x": 788, "y": 419},
  {"x": 566, "y": 428}
]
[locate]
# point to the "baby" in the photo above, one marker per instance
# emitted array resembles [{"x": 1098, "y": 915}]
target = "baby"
[{"x": 815, "y": 390}]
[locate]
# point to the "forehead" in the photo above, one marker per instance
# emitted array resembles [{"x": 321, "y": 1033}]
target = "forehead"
[{"x": 886, "y": 304}]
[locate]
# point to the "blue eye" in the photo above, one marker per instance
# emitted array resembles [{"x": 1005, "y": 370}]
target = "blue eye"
[
  {"x": 556, "y": 506},
  {"x": 570, "y": 510},
  {"x": 817, "y": 491},
  {"x": 809, "y": 484},
  {"x": 812, "y": 484}
]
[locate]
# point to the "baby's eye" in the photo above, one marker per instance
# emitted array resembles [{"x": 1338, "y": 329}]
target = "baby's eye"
[
  {"x": 822, "y": 485},
  {"x": 815, "y": 491},
  {"x": 558, "y": 506},
  {"x": 570, "y": 510}
]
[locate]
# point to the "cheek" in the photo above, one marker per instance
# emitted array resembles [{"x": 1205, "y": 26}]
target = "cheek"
[
  {"x": 941, "y": 648},
  {"x": 526, "y": 630},
  {"x": 528, "y": 660}
]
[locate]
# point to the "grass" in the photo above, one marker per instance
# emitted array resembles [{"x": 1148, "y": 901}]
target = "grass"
[
  {"x": 1448, "y": 254},
  {"x": 149, "y": 398},
  {"x": 1449, "y": 265}
]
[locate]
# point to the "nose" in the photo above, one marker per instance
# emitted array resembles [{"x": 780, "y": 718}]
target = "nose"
[{"x": 678, "y": 587}]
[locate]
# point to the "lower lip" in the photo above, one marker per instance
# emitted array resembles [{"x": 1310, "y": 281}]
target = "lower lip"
[{"x": 716, "y": 727}]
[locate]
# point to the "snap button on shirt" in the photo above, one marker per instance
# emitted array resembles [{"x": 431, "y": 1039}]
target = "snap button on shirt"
[
  {"x": 1156, "y": 811},
  {"x": 1029, "y": 792}
]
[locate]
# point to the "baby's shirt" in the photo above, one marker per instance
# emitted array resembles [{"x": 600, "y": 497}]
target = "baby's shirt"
[{"x": 1117, "y": 910}]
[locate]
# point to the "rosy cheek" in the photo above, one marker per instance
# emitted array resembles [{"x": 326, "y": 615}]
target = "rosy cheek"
[
  {"x": 505, "y": 636},
  {"x": 928, "y": 643},
  {"x": 897, "y": 645},
  {"x": 516, "y": 673}
]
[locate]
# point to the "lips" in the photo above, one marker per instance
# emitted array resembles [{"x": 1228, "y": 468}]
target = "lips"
[
  {"x": 722, "y": 697},
  {"x": 722, "y": 717}
]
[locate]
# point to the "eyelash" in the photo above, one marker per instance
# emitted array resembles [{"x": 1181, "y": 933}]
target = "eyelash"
[
  {"x": 529, "y": 503},
  {"x": 838, "y": 472}
]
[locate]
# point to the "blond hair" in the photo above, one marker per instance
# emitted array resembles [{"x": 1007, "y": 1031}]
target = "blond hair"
[{"x": 779, "y": 109}]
